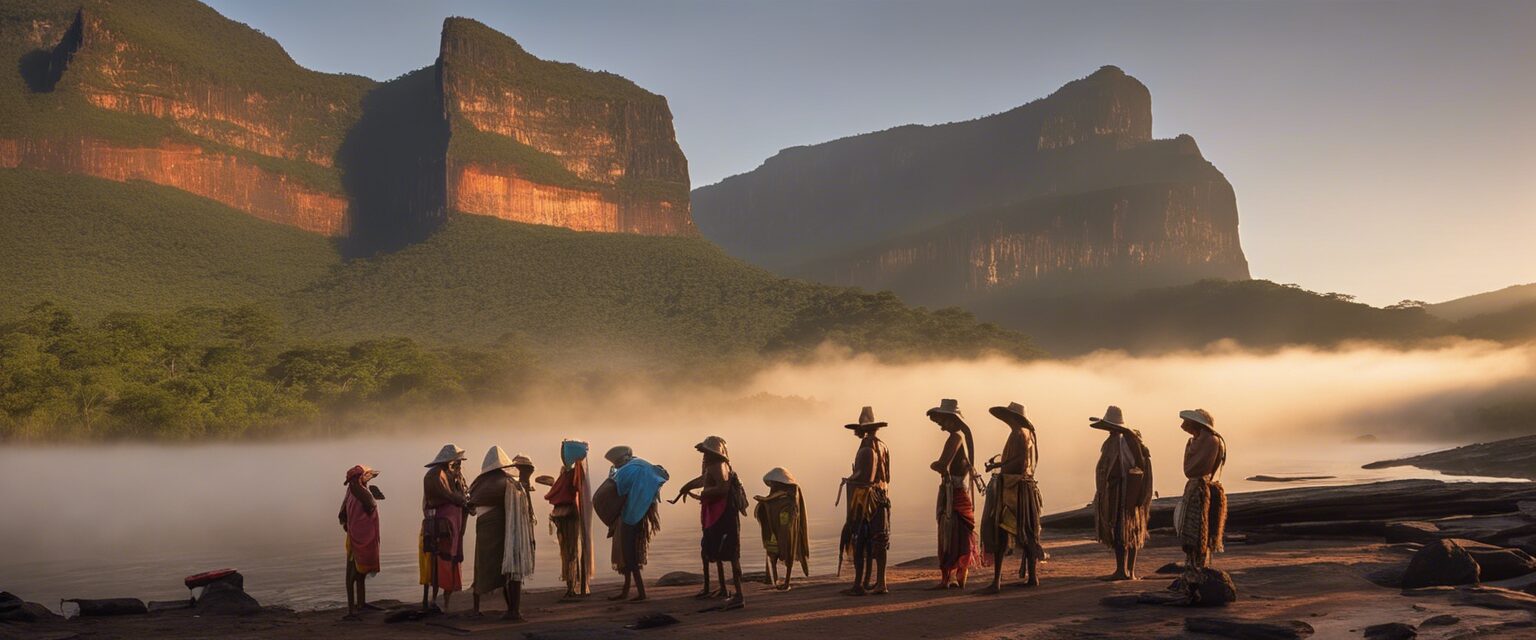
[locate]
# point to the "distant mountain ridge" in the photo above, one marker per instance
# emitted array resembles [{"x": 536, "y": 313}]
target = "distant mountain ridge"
[
  {"x": 1067, "y": 192},
  {"x": 1486, "y": 302}
]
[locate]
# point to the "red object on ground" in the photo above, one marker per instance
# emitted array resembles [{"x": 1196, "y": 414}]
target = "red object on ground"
[{"x": 202, "y": 579}]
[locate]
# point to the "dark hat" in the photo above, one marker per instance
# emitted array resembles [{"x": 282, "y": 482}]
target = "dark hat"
[
  {"x": 866, "y": 421},
  {"x": 1201, "y": 417},
  {"x": 1013, "y": 414}
]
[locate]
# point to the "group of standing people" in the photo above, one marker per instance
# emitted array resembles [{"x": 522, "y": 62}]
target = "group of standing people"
[{"x": 501, "y": 500}]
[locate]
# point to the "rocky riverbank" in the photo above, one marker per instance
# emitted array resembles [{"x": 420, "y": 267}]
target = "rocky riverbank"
[{"x": 1321, "y": 562}]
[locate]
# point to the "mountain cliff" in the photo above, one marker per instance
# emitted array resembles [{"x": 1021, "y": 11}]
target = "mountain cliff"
[
  {"x": 1066, "y": 193},
  {"x": 175, "y": 94}
]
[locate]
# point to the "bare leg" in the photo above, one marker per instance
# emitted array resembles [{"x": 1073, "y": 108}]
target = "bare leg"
[
  {"x": 1130, "y": 563},
  {"x": 880, "y": 588},
  {"x": 997, "y": 570},
  {"x": 773, "y": 572},
  {"x": 639, "y": 587},
  {"x": 447, "y": 599},
  {"x": 962, "y": 574},
  {"x": 625, "y": 592},
  {"x": 1033, "y": 564},
  {"x": 474, "y": 599},
  {"x": 705, "y": 592},
  {"x": 860, "y": 571},
  {"x": 740, "y": 599},
  {"x": 514, "y": 593},
  {"x": 789, "y": 569},
  {"x": 362, "y": 591},
  {"x": 351, "y": 580},
  {"x": 723, "y": 592}
]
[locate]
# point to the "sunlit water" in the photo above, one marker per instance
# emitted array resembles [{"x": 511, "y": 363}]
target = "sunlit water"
[{"x": 132, "y": 520}]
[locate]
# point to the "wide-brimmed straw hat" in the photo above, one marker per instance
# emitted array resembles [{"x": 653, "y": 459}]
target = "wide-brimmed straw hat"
[
  {"x": 619, "y": 454},
  {"x": 495, "y": 459},
  {"x": 449, "y": 453},
  {"x": 361, "y": 471},
  {"x": 1112, "y": 419},
  {"x": 1199, "y": 416},
  {"x": 521, "y": 460},
  {"x": 947, "y": 407},
  {"x": 866, "y": 420},
  {"x": 1013, "y": 414},
  {"x": 779, "y": 475},
  {"x": 715, "y": 445},
  {"x": 546, "y": 480}
]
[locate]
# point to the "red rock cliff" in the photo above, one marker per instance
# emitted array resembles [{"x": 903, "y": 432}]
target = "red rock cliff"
[{"x": 552, "y": 143}]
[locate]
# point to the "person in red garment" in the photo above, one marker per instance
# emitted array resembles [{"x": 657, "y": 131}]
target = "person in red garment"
[
  {"x": 956, "y": 511},
  {"x": 444, "y": 508},
  {"x": 722, "y": 502},
  {"x": 360, "y": 520},
  {"x": 570, "y": 495}
]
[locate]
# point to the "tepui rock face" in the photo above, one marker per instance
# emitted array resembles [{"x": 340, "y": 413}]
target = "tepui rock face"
[{"x": 1065, "y": 190}]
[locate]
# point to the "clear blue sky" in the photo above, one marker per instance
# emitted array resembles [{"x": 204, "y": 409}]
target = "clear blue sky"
[{"x": 1381, "y": 148}]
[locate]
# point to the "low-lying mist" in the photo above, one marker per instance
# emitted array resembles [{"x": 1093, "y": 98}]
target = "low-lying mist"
[{"x": 106, "y": 520}]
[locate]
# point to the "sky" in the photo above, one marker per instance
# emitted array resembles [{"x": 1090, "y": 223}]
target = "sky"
[{"x": 1385, "y": 149}]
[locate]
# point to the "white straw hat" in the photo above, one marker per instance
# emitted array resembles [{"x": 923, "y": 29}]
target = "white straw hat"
[
  {"x": 779, "y": 475},
  {"x": 495, "y": 459},
  {"x": 1199, "y": 416}
]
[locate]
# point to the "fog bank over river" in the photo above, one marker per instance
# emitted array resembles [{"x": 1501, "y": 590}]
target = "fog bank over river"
[{"x": 132, "y": 519}]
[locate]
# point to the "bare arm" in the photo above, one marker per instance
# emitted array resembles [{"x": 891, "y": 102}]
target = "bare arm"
[
  {"x": 947, "y": 457},
  {"x": 715, "y": 485}
]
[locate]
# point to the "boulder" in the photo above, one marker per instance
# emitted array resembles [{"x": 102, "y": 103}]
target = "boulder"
[
  {"x": 1498, "y": 563},
  {"x": 1442, "y": 620},
  {"x": 679, "y": 579},
  {"x": 224, "y": 598},
  {"x": 1443, "y": 562},
  {"x": 1205, "y": 587},
  {"x": 1246, "y": 630},
  {"x": 1391, "y": 631},
  {"x": 14, "y": 609}
]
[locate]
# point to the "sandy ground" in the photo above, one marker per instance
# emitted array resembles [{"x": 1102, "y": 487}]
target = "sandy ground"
[{"x": 1320, "y": 582}]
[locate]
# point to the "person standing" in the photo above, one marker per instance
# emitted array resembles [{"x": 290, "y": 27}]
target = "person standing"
[
  {"x": 1012, "y": 514},
  {"x": 955, "y": 510},
  {"x": 635, "y": 486},
  {"x": 517, "y": 561},
  {"x": 1122, "y": 498},
  {"x": 867, "y": 525},
  {"x": 722, "y": 502},
  {"x": 1202, "y": 515},
  {"x": 570, "y": 495},
  {"x": 781, "y": 515},
  {"x": 444, "y": 511},
  {"x": 488, "y": 498},
  {"x": 360, "y": 520}
]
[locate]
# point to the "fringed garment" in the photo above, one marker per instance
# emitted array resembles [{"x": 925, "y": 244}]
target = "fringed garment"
[
  {"x": 571, "y": 518},
  {"x": 1122, "y": 498},
  {"x": 517, "y": 557},
  {"x": 1201, "y": 518},
  {"x": 1012, "y": 516},
  {"x": 781, "y": 516},
  {"x": 632, "y": 542},
  {"x": 867, "y": 522}
]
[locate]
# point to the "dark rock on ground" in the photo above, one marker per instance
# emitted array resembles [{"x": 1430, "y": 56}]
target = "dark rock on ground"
[
  {"x": 1442, "y": 620},
  {"x": 652, "y": 621},
  {"x": 1443, "y": 563},
  {"x": 14, "y": 609},
  {"x": 224, "y": 598},
  {"x": 156, "y": 606},
  {"x": 679, "y": 579},
  {"x": 925, "y": 562},
  {"x": 1247, "y": 630},
  {"x": 1391, "y": 631},
  {"x": 1429, "y": 591},
  {"x": 1206, "y": 588},
  {"x": 109, "y": 606},
  {"x": 1498, "y": 563},
  {"x": 1171, "y": 569}
]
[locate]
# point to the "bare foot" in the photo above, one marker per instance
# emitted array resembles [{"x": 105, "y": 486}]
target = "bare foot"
[
  {"x": 704, "y": 594},
  {"x": 784, "y": 587},
  {"x": 880, "y": 590}
]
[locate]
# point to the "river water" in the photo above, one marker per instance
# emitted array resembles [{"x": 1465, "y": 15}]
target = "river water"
[{"x": 93, "y": 521}]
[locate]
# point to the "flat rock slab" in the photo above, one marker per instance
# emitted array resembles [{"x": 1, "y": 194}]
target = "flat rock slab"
[
  {"x": 1249, "y": 630},
  {"x": 679, "y": 579},
  {"x": 1511, "y": 458},
  {"x": 1393, "y": 500},
  {"x": 1391, "y": 631}
]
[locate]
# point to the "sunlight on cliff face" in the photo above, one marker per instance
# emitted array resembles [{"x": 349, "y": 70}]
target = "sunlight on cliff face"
[{"x": 269, "y": 508}]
